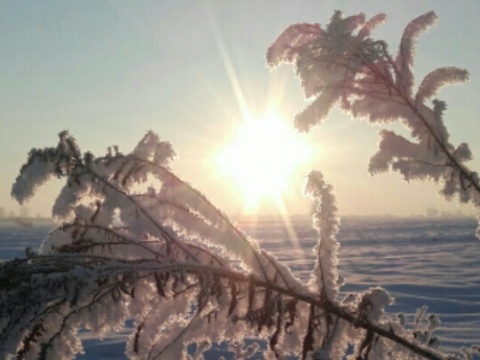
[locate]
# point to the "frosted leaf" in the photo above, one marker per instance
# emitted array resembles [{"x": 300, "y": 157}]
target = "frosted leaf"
[
  {"x": 449, "y": 189},
  {"x": 164, "y": 154},
  {"x": 406, "y": 51},
  {"x": 437, "y": 79},
  {"x": 463, "y": 153},
  {"x": 67, "y": 200},
  {"x": 377, "y": 299},
  {"x": 391, "y": 146},
  {"x": 316, "y": 111},
  {"x": 288, "y": 44},
  {"x": 32, "y": 175},
  {"x": 147, "y": 146},
  {"x": 371, "y": 24}
]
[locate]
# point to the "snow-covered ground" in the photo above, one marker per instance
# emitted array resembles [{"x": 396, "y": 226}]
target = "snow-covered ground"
[{"x": 421, "y": 262}]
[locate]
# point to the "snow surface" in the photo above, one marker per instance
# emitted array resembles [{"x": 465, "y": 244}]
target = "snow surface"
[{"x": 420, "y": 262}]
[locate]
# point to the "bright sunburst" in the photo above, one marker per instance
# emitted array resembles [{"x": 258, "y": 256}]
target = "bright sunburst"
[{"x": 262, "y": 157}]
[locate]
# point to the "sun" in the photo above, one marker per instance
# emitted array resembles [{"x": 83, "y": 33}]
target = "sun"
[{"x": 262, "y": 158}]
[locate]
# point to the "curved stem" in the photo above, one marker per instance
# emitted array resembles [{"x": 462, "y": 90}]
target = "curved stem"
[{"x": 116, "y": 267}]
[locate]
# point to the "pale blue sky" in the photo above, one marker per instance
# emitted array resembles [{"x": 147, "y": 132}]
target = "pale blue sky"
[{"x": 110, "y": 70}]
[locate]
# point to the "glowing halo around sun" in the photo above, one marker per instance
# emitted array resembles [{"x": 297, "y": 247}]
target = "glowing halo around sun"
[{"x": 261, "y": 159}]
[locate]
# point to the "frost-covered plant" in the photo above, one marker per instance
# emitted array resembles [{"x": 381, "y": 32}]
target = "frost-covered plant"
[
  {"x": 338, "y": 64},
  {"x": 137, "y": 242}
]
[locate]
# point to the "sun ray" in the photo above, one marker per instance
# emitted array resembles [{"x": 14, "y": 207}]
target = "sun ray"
[
  {"x": 292, "y": 234},
  {"x": 229, "y": 68}
]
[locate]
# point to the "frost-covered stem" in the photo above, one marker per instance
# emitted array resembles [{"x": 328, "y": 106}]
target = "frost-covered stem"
[
  {"x": 116, "y": 267},
  {"x": 440, "y": 142},
  {"x": 126, "y": 240},
  {"x": 167, "y": 236},
  {"x": 389, "y": 334},
  {"x": 325, "y": 221},
  {"x": 326, "y": 304},
  {"x": 219, "y": 213},
  {"x": 111, "y": 231},
  {"x": 337, "y": 310},
  {"x": 463, "y": 171},
  {"x": 319, "y": 260},
  {"x": 332, "y": 308}
]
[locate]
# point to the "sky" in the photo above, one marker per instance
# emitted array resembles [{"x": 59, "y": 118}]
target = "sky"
[{"x": 108, "y": 71}]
